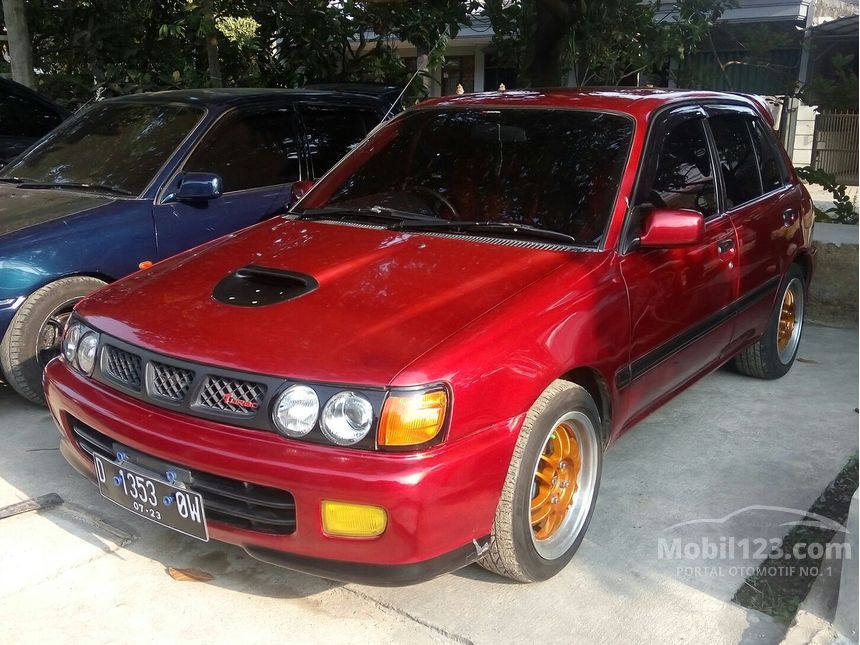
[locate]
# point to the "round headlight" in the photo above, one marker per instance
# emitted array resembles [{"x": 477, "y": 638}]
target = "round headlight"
[
  {"x": 296, "y": 411},
  {"x": 87, "y": 347},
  {"x": 70, "y": 342},
  {"x": 346, "y": 418}
]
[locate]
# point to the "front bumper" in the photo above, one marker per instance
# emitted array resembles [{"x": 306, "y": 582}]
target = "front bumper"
[{"x": 440, "y": 503}]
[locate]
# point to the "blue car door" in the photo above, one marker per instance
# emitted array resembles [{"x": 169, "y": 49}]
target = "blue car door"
[{"x": 255, "y": 151}]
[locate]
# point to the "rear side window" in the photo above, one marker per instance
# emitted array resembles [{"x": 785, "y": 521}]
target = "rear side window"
[
  {"x": 769, "y": 163},
  {"x": 20, "y": 117},
  {"x": 332, "y": 132},
  {"x": 250, "y": 150},
  {"x": 684, "y": 177},
  {"x": 738, "y": 160}
]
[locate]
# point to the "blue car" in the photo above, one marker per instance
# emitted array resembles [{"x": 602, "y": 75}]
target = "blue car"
[{"x": 133, "y": 180}]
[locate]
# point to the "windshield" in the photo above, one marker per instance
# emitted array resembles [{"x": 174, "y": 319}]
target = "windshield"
[
  {"x": 557, "y": 170},
  {"x": 117, "y": 146}
]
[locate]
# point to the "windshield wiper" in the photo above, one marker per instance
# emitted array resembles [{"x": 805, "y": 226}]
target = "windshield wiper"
[
  {"x": 383, "y": 213},
  {"x": 487, "y": 228},
  {"x": 13, "y": 180},
  {"x": 76, "y": 186}
]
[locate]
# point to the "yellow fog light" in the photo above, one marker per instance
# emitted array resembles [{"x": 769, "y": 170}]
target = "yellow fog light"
[{"x": 353, "y": 520}]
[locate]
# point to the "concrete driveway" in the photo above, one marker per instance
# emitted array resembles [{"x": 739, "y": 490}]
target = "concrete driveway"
[{"x": 87, "y": 571}]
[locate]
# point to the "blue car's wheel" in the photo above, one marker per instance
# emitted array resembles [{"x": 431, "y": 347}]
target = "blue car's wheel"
[{"x": 36, "y": 331}]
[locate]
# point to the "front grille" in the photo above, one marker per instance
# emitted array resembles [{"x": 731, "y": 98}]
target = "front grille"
[
  {"x": 170, "y": 382},
  {"x": 229, "y": 501},
  {"x": 123, "y": 367},
  {"x": 231, "y": 395}
]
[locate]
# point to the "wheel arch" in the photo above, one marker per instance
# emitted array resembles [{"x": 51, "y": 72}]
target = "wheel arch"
[
  {"x": 804, "y": 260},
  {"x": 596, "y": 385}
]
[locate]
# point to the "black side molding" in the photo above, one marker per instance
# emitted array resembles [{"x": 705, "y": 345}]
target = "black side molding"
[{"x": 637, "y": 368}]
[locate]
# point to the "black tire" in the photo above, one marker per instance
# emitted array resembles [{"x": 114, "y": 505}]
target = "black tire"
[
  {"x": 20, "y": 360},
  {"x": 513, "y": 551},
  {"x": 764, "y": 358}
]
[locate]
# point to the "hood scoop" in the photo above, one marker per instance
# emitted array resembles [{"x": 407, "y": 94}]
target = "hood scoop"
[{"x": 256, "y": 286}]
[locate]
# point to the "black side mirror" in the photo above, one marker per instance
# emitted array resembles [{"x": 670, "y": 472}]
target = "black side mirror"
[{"x": 198, "y": 186}]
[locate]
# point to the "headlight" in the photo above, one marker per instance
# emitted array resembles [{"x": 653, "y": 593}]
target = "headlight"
[
  {"x": 296, "y": 411},
  {"x": 346, "y": 418},
  {"x": 87, "y": 346},
  {"x": 70, "y": 342}
]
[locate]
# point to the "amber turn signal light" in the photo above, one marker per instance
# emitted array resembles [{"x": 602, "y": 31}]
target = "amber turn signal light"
[{"x": 412, "y": 418}]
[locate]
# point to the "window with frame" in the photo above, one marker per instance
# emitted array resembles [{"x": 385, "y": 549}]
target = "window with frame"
[
  {"x": 684, "y": 178},
  {"x": 738, "y": 161},
  {"x": 331, "y": 132},
  {"x": 769, "y": 163},
  {"x": 250, "y": 149}
]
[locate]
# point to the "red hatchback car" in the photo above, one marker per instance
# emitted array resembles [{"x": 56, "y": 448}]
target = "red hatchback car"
[{"x": 422, "y": 364}]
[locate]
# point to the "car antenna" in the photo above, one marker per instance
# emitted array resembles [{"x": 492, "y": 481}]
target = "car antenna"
[
  {"x": 94, "y": 99},
  {"x": 406, "y": 87}
]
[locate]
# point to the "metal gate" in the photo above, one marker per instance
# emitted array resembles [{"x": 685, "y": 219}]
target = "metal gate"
[{"x": 834, "y": 145}]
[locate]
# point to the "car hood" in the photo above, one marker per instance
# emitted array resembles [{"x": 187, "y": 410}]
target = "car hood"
[
  {"x": 21, "y": 208},
  {"x": 383, "y": 299}
]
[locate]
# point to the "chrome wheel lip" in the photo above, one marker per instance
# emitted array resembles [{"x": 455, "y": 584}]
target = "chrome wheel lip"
[
  {"x": 57, "y": 319},
  {"x": 786, "y": 355},
  {"x": 565, "y": 536}
]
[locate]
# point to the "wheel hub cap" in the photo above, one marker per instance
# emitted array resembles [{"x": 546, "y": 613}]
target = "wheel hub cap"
[{"x": 787, "y": 321}]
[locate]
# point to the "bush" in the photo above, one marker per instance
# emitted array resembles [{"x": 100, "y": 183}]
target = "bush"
[{"x": 843, "y": 210}]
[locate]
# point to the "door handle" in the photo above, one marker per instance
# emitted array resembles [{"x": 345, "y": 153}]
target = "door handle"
[
  {"x": 789, "y": 217},
  {"x": 725, "y": 246}
]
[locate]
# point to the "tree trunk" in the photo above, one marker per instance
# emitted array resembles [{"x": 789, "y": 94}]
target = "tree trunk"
[
  {"x": 553, "y": 20},
  {"x": 20, "y": 47},
  {"x": 212, "y": 59}
]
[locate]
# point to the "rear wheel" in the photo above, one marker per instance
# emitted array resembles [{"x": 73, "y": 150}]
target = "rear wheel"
[
  {"x": 36, "y": 332},
  {"x": 551, "y": 489},
  {"x": 773, "y": 354}
]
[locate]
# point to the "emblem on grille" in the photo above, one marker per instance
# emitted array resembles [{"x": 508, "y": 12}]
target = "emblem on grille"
[{"x": 229, "y": 399}]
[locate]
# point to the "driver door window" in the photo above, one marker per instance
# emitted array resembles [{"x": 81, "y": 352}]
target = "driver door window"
[
  {"x": 684, "y": 178},
  {"x": 250, "y": 150}
]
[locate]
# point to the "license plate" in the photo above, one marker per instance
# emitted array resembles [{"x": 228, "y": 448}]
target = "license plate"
[{"x": 171, "y": 506}]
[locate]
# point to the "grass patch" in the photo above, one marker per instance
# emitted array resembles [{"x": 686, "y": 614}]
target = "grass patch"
[{"x": 780, "y": 585}]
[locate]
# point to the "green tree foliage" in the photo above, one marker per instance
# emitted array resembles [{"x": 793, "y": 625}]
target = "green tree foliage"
[
  {"x": 601, "y": 43},
  {"x": 120, "y": 46}
]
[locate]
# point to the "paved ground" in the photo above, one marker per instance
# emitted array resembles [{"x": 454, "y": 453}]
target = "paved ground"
[{"x": 87, "y": 571}]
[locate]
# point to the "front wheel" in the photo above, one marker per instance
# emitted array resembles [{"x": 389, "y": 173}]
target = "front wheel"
[
  {"x": 36, "y": 331},
  {"x": 551, "y": 488},
  {"x": 772, "y": 355}
]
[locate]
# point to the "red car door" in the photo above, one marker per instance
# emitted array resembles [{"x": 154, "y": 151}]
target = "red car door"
[
  {"x": 764, "y": 206},
  {"x": 679, "y": 298}
]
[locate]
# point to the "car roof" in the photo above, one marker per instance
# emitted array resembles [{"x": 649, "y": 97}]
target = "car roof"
[
  {"x": 639, "y": 101},
  {"x": 240, "y": 95},
  {"x": 8, "y": 86}
]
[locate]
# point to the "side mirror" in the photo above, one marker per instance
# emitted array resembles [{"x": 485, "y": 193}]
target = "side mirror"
[
  {"x": 198, "y": 186},
  {"x": 664, "y": 228},
  {"x": 298, "y": 190}
]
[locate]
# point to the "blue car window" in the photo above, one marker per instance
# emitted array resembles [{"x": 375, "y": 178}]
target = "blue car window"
[
  {"x": 115, "y": 145},
  {"x": 250, "y": 150}
]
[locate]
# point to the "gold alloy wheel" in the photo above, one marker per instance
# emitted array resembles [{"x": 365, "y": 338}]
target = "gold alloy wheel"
[
  {"x": 555, "y": 481},
  {"x": 787, "y": 321},
  {"x": 790, "y": 321}
]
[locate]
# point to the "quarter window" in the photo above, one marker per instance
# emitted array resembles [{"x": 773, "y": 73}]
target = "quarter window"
[
  {"x": 684, "y": 178},
  {"x": 737, "y": 158},
  {"x": 768, "y": 162},
  {"x": 250, "y": 150}
]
